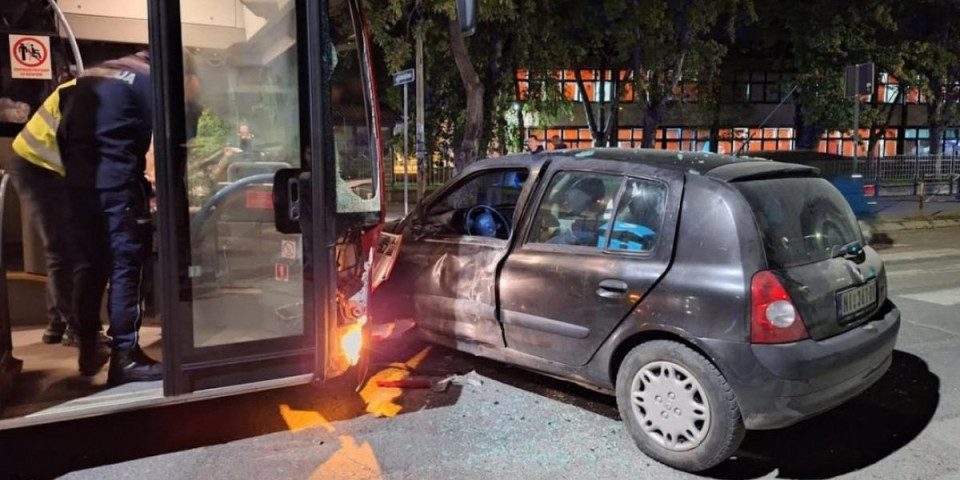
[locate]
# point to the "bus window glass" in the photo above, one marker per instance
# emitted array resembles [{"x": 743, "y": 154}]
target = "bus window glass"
[
  {"x": 357, "y": 149},
  {"x": 242, "y": 126}
]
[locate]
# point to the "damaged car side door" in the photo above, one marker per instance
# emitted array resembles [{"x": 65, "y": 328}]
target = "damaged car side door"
[
  {"x": 576, "y": 273},
  {"x": 452, "y": 248}
]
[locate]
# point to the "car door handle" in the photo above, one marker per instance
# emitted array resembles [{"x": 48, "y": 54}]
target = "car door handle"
[{"x": 612, "y": 288}]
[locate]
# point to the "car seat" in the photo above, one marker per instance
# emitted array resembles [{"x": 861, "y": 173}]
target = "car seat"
[
  {"x": 636, "y": 229},
  {"x": 575, "y": 207}
]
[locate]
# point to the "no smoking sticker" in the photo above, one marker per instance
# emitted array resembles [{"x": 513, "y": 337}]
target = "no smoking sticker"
[
  {"x": 30, "y": 57},
  {"x": 288, "y": 249}
]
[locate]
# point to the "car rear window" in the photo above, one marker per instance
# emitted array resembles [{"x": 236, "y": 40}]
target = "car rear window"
[{"x": 801, "y": 220}]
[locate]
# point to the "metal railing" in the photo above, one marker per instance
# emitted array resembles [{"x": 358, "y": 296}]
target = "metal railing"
[
  {"x": 434, "y": 175},
  {"x": 437, "y": 170},
  {"x": 905, "y": 174},
  {"x": 903, "y": 167},
  {"x": 913, "y": 175}
]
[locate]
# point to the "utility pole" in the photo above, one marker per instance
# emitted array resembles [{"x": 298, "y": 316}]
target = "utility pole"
[
  {"x": 421, "y": 161},
  {"x": 404, "y": 78},
  {"x": 406, "y": 156},
  {"x": 856, "y": 117},
  {"x": 859, "y": 81}
]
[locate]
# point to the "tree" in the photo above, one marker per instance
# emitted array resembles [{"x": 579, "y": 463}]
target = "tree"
[
  {"x": 643, "y": 46},
  {"x": 592, "y": 39},
  {"x": 931, "y": 49},
  {"x": 678, "y": 38},
  {"x": 469, "y": 80},
  {"x": 817, "y": 47}
]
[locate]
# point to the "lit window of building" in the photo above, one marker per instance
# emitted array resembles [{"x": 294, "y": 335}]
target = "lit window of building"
[
  {"x": 593, "y": 83},
  {"x": 916, "y": 141},
  {"x": 841, "y": 143},
  {"x": 951, "y": 141}
]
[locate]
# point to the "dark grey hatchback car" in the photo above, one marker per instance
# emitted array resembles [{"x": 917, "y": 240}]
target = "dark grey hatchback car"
[{"x": 710, "y": 294}]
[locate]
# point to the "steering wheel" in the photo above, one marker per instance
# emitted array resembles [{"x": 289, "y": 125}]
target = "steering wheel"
[{"x": 486, "y": 221}]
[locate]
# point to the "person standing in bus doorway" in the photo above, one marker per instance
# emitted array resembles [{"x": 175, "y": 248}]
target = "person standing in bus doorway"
[
  {"x": 105, "y": 137},
  {"x": 37, "y": 172}
]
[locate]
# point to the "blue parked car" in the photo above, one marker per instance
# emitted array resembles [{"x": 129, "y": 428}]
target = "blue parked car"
[{"x": 838, "y": 170}]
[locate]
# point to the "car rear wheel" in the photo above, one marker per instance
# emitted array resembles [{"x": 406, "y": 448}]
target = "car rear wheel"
[{"x": 677, "y": 406}]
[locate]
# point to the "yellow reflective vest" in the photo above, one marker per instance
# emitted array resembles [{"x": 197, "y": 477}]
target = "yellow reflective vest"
[{"x": 37, "y": 142}]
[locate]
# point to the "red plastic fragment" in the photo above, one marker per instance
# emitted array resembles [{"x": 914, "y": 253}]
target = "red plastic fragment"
[{"x": 406, "y": 383}]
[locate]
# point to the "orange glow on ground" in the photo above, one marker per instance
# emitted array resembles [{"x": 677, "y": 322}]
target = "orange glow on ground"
[
  {"x": 380, "y": 400},
  {"x": 353, "y": 460},
  {"x": 350, "y": 461},
  {"x": 302, "y": 419}
]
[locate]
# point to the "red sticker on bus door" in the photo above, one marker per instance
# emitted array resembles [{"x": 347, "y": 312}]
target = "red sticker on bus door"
[
  {"x": 281, "y": 272},
  {"x": 259, "y": 200}
]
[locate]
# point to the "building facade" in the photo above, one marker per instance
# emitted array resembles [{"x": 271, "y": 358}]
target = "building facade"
[{"x": 758, "y": 114}]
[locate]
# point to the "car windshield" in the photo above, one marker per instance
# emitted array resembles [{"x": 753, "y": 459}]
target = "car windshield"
[{"x": 801, "y": 220}]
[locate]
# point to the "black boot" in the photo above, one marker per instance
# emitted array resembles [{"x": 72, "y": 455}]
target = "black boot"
[
  {"x": 71, "y": 339},
  {"x": 133, "y": 366},
  {"x": 93, "y": 355},
  {"x": 54, "y": 333}
]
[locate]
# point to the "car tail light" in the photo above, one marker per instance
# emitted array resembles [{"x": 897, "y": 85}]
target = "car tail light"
[{"x": 774, "y": 318}]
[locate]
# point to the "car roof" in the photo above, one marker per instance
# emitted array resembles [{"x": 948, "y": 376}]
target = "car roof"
[{"x": 724, "y": 167}]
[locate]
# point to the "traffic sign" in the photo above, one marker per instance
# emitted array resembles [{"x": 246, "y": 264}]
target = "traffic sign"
[
  {"x": 30, "y": 57},
  {"x": 859, "y": 80},
  {"x": 403, "y": 77}
]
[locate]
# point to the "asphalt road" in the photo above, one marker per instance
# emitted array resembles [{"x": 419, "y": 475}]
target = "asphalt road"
[{"x": 516, "y": 424}]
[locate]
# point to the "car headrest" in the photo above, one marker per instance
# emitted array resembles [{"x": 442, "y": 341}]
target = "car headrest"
[{"x": 583, "y": 193}]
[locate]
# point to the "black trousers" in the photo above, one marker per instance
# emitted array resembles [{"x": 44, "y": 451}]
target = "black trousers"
[
  {"x": 114, "y": 244},
  {"x": 45, "y": 193}
]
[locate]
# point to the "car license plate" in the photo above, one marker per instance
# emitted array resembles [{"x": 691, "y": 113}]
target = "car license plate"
[{"x": 857, "y": 299}]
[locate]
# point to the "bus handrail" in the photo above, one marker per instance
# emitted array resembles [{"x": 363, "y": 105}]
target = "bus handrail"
[
  {"x": 10, "y": 367},
  {"x": 4, "y": 179},
  {"x": 6, "y": 321},
  {"x": 209, "y": 208},
  {"x": 4, "y": 303}
]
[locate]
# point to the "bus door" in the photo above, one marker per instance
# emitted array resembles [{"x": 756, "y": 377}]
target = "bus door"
[{"x": 244, "y": 296}]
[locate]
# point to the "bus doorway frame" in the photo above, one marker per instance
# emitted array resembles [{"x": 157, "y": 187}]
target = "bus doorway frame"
[{"x": 233, "y": 366}]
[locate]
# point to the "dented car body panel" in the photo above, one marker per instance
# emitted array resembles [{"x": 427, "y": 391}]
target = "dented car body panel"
[{"x": 565, "y": 283}]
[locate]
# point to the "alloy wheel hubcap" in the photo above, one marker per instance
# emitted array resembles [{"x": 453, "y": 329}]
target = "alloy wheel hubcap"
[{"x": 670, "y": 405}]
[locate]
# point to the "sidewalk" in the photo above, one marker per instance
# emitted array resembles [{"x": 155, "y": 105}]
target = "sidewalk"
[
  {"x": 899, "y": 207},
  {"x": 903, "y": 213}
]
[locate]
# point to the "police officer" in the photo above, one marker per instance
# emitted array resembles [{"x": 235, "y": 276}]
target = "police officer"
[
  {"x": 37, "y": 173},
  {"x": 106, "y": 135}
]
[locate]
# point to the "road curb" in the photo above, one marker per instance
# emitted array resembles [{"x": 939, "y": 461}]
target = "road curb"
[{"x": 901, "y": 225}]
